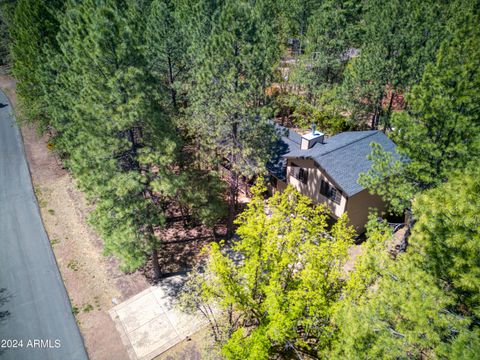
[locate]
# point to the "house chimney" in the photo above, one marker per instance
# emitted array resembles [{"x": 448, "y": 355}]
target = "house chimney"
[{"x": 310, "y": 139}]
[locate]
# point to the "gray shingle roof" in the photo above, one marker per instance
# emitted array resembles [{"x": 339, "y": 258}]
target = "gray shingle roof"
[
  {"x": 289, "y": 141},
  {"x": 343, "y": 156}
]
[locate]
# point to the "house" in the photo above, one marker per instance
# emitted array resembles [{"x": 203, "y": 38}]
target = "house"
[{"x": 327, "y": 168}]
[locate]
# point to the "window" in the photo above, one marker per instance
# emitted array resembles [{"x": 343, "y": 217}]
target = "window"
[
  {"x": 299, "y": 173},
  {"x": 330, "y": 192},
  {"x": 303, "y": 175}
]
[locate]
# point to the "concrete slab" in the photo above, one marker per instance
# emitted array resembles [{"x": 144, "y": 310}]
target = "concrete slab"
[
  {"x": 185, "y": 322},
  {"x": 154, "y": 334},
  {"x": 135, "y": 314},
  {"x": 149, "y": 323}
]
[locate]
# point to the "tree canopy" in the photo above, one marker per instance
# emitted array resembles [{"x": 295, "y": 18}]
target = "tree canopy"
[
  {"x": 424, "y": 303},
  {"x": 35, "y": 24},
  {"x": 229, "y": 111},
  {"x": 151, "y": 105},
  {"x": 440, "y": 131},
  {"x": 279, "y": 282}
]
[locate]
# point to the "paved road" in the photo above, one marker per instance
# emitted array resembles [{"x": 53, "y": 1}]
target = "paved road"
[{"x": 34, "y": 306}]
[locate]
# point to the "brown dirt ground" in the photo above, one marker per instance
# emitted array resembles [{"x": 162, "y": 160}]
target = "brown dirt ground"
[
  {"x": 92, "y": 280},
  {"x": 197, "y": 347}
]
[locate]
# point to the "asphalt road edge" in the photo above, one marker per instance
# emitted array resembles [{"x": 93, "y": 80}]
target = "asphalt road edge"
[{"x": 40, "y": 214}]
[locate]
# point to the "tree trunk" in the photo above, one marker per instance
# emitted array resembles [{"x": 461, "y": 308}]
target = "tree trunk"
[
  {"x": 389, "y": 111},
  {"x": 183, "y": 213},
  {"x": 173, "y": 93},
  {"x": 156, "y": 265},
  {"x": 184, "y": 216},
  {"x": 374, "y": 119},
  {"x": 232, "y": 204}
]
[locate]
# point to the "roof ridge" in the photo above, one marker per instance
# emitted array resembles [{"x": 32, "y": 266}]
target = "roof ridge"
[{"x": 350, "y": 143}]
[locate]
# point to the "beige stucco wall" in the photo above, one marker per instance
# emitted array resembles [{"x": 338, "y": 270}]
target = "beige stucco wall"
[
  {"x": 312, "y": 187},
  {"x": 304, "y": 144},
  {"x": 358, "y": 208}
]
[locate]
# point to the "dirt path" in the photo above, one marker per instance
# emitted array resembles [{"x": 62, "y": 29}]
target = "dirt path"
[{"x": 91, "y": 279}]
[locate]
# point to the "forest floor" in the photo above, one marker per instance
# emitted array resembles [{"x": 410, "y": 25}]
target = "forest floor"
[{"x": 94, "y": 281}]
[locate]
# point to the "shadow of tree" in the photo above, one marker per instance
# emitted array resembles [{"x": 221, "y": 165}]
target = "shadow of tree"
[
  {"x": 4, "y": 298},
  {"x": 181, "y": 249},
  {"x": 4, "y": 314},
  {"x": 174, "y": 284}
]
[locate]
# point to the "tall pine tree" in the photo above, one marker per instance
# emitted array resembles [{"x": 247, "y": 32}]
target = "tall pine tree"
[
  {"x": 120, "y": 145},
  {"x": 440, "y": 131},
  {"x": 398, "y": 39},
  {"x": 228, "y": 113},
  {"x": 424, "y": 303},
  {"x": 166, "y": 47},
  {"x": 33, "y": 30}
]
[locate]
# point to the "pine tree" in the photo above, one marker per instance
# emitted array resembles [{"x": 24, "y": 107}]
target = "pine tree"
[
  {"x": 120, "y": 145},
  {"x": 298, "y": 14},
  {"x": 446, "y": 237},
  {"x": 198, "y": 17},
  {"x": 328, "y": 40},
  {"x": 424, "y": 303},
  {"x": 33, "y": 29},
  {"x": 7, "y": 8},
  {"x": 166, "y": 46},
  {"x": 170, "y": 31},
  {"x": 329, "y": 43},
  {"x": 228, "y": 111},
  {"x": 399, "y": 39},
  {"x": 440, "y": 132}
]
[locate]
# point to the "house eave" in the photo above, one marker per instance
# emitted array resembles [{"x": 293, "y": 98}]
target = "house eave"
[{"x": 324, "y": 172}]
